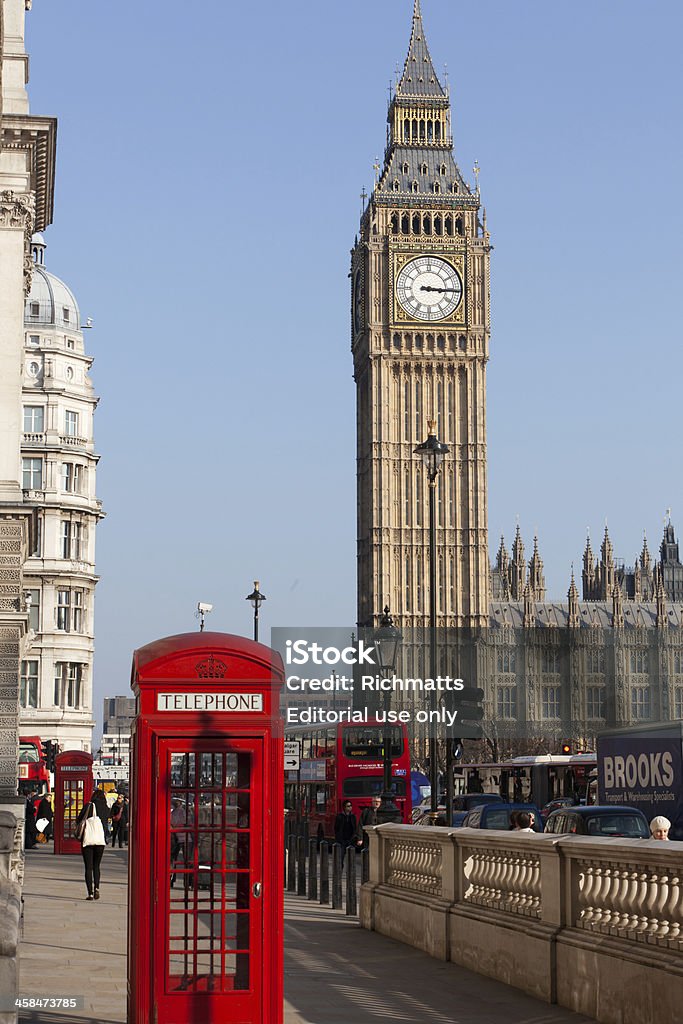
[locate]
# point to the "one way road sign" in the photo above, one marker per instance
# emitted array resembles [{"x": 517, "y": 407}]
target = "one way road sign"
[{"x": 292, "y": 756}]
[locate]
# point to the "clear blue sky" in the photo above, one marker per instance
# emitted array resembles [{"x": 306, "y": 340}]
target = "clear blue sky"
[{"x": 210, "y": 161}]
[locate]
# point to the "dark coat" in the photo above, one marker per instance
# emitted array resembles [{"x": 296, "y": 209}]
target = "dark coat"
[
  {"x": 45, "y": 809},
  {"x": 102, "y": 807},
  {"x": 344, "y": 828},
  {"x": 123, "y": 820}
]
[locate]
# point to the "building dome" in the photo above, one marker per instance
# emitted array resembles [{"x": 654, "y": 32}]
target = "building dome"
[{"x": 50, "y": 301}]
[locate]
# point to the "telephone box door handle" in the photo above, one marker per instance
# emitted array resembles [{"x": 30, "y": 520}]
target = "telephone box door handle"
[{"x": 256, "y": 890}]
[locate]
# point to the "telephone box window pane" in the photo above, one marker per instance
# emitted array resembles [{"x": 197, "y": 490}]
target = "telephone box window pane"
[
  {"x": 237, "y": 810},
  {"x": 182, "y": 810},
  {"x": 182, "y": 771},
  {"x": 238, "y": 967},
  {"x": 237, "y": 768},
  {"x": 237, "y": 931},
  {"x": 237, "y": 850},
  {"x": 73, "y": 805},
  {"x": 211, "y": 809},
  {"x": 211, "y": 769}
]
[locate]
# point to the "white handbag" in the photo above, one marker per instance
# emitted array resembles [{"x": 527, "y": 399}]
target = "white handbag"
[{"x": 94, "y": 832}]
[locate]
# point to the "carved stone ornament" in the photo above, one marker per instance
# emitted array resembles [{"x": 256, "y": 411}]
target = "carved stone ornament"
[{"x": 18, "y": 210}]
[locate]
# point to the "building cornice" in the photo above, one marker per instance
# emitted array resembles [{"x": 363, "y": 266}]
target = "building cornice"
[{"x": 38, "y": 137}]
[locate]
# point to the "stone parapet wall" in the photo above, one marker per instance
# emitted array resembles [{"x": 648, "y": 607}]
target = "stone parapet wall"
[{"x": 594, "y": 924}]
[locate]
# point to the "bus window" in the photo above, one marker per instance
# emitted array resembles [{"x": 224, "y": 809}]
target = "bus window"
[
  {"x": 368, "y": 741},
  {"x": 365, "y": 786}
]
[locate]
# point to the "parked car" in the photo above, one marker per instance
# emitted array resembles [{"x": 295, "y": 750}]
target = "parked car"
[
  {"x": 621, "y": 822},
  {"x": 467, "y": 801},
  {"x": 439, "y": 817},
  {"x": 555, "y": 805},
  {"x": 497, "y": 815}
]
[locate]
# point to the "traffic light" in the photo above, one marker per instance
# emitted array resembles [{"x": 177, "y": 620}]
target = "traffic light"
[
  {"x": 566, "y": 748},
  {"x": 51, "y": 748},
  {"x": 470, "y": 713}
]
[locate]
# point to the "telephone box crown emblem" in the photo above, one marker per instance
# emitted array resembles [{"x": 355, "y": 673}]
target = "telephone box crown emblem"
[{"x": 211, "y": 668}]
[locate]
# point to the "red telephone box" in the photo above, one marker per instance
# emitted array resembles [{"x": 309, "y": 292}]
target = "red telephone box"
[
  {"x": 205, "y": 930},
  {"x": 73, "y": 788}
]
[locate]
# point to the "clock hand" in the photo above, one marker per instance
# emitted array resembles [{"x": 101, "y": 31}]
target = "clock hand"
[{"x": 428, "y": 288}]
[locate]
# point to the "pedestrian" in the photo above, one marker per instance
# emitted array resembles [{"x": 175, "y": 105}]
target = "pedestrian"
[
  {"x": 30, "y": 830},
  {"x": 100, "y": 801},
  {"x": 45, "y": 812},
  {"x": 368, "y": 816},
  {"x": 524, "y": 821},
  {"x": 119, "y": 820},
  {"x": 345, "y": 826},
  {"x": 659, "y": 827},
  {"x": 513, "y": 821},
  {"x": 90, "y": 831}
]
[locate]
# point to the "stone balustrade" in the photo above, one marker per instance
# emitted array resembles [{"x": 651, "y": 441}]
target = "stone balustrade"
[
  {"x": 594, "y": 924},
  {"x": 11, "y": 881}
]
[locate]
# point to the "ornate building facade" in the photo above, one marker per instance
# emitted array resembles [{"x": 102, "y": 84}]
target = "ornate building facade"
[
  {"x": 59, "y": 479},
  {"x": 420, "y": 344}
]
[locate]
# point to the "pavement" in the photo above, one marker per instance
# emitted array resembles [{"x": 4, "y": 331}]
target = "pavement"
[{"x": 335, "y": 972}]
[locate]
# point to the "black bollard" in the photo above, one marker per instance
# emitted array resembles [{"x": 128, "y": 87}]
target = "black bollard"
[
  {"x": 301, "y": 858},
  {"x": 364, "y": 866},
  {"x": 324, "y": 873},
  {"x": 336, "y": 877},
  {"x": 291, "y": 864},
  {"x": 312, "y": 869},
  {"x": 351, "y": 896}
]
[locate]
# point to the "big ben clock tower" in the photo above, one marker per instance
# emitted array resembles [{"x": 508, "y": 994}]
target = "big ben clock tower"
[{"x": 420, "y": 339}]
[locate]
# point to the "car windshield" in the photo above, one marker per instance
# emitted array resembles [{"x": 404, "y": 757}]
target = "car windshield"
[
  {"x": 498, "y": 817},
  {"x": 617, "y": 825}
]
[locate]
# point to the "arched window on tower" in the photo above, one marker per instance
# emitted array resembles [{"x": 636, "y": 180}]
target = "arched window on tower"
[
  {"x": 416, "y": 223},
  {"x": 406, "y": 583},
  {"x": 406, "y": 497},
  {"x": 394, "y": 223},
  {"x": 418, "y": 582},
  {"x": 418, "y": 497},
  {"x": 423, "y": 168},
  {"x": 414, "y": 135},
  {"x": 415, "y": 187},
  {"x": 427, "y": 224},
  {"x": 436, "y": 187},
  {"x": 397, "y": 186},
  {"x": 406, "y": 412},
  {"x": 438, "y": 225},
  {"x": 430, "y": 131},
  {"x": 422, "y": 130},
  {"x": 418, "y": 408},
  {"x": 459, "y": 225},
  {"x": 437, "y": 131},
  {"x": 406, "y": 130},
  {"x": 448, "y": 224},
  {"x": 405, "y": 168},
  {"x": 443, "y": 169},
  {"x": 405, "y": 224},
  {"x": 454, "y": 186}
]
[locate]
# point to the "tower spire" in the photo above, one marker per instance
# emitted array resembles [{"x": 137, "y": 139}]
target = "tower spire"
[{"x": 419, "y": 77}]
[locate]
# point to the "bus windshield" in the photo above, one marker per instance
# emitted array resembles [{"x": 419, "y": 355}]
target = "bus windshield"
[{"x": 368, "y": 741}]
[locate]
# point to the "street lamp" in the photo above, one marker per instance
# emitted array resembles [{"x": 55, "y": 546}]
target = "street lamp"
[
  {"x": 257, "y": 599},
  {"x": 432, "y": 452},
  {"x": 387, "y": 639}
]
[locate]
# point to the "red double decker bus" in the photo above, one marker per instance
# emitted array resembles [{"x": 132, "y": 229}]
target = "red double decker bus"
[
  {"x": 345, "y": 762},
  {"x": 34, "y": 776}
]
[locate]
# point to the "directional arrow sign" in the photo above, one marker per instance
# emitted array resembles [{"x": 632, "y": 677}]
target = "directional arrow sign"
[{"x": 292, "y": 755}]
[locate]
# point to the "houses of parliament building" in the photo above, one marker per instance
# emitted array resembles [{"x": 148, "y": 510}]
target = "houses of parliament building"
[{"x": 612, "y": 653}]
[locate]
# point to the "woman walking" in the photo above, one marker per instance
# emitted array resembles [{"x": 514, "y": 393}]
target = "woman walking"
[
  {"x": 119, "y": 820},
  {"x": 90, "y": 831}
]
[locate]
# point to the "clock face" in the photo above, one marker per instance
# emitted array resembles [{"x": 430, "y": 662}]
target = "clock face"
[
  {"x": 358, "y": 302},
  {"x": 429, "y": 288}
]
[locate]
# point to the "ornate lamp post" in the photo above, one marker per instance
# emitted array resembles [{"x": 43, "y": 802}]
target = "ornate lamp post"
[
  {"x": 257, "y": 599},
  {"x": 387, "y": 640},
  {"x": 432, "y": 452}
]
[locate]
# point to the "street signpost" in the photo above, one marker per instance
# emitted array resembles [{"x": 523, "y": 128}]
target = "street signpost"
[{"x": 292, "y": 756}]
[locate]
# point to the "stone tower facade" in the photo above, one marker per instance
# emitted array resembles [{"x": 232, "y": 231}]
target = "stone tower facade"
[
  {"x": 420, "y": 343},
  {"x": 27, "y": 159}
]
